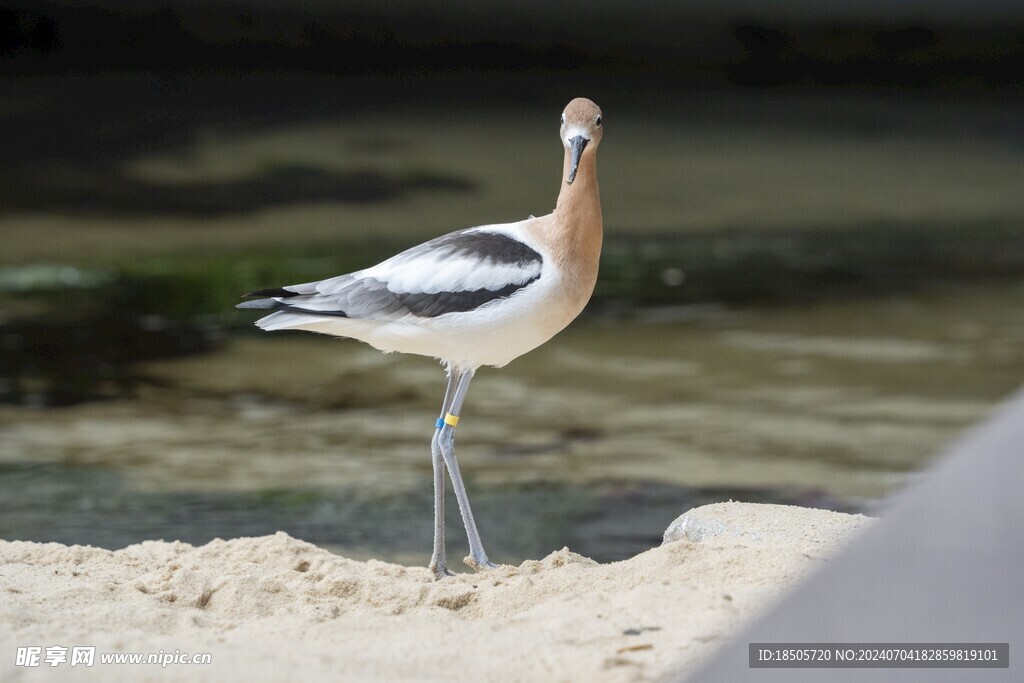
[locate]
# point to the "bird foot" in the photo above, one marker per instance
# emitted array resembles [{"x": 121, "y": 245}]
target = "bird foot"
[
  {"x": 477, "y": 565},
  {"x": 440, "y": 571}
]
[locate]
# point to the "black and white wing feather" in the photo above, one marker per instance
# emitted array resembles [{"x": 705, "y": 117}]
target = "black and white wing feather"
[{"x": 454, "y": 273}]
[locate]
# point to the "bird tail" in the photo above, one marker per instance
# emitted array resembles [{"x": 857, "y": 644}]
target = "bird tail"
[
  {"x": 286, "y": 320},
  {"x": 285, "y": 316},
  {"x": 260, "y": 303}
]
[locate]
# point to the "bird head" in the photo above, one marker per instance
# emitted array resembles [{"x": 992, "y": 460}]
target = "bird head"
[{"x": 580, "y": 132}]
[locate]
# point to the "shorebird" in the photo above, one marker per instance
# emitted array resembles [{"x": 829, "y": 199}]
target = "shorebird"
[{"x": 470, "y": 298}]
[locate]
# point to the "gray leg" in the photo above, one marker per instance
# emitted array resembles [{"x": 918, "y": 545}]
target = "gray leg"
[
  {"x": 438, "y": 562},
  {"x": 477, "y": 557}
]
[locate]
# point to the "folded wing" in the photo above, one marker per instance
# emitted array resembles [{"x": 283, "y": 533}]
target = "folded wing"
[{"x": 454, "y": 273}]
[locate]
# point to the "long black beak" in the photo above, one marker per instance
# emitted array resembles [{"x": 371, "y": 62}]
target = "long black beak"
[{"x": 577, "y": 144}]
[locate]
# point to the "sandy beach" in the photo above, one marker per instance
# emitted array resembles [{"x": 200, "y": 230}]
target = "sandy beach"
[{"x": 277, "y": 608}]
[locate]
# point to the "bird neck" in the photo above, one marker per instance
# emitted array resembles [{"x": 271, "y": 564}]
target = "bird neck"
[
  {"x": 583, "y": 192},
  {"x": 578, "y": 223}
]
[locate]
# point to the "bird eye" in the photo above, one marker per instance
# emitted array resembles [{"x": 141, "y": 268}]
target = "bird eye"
[
  {"x": 598, "y": 121},
  {"x": 563, "y": 119}
]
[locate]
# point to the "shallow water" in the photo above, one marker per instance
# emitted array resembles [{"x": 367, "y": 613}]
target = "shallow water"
[
  {"x": 596, "y": 440},
  {"x": 608, "y": 522},
  {"x": 799, "y": 301}
]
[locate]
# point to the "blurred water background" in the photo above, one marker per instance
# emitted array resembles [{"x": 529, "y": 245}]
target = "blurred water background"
[{"x": 811, "y": 282}]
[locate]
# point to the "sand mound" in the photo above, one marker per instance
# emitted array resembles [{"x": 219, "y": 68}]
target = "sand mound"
[{"x": 276, "y": 608}]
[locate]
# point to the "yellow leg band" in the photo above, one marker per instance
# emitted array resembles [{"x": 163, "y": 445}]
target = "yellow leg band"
[{"x": 450, "y": 419}]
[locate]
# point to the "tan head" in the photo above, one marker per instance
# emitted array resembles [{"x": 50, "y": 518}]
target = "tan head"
[{"x": 580, "y": 132}]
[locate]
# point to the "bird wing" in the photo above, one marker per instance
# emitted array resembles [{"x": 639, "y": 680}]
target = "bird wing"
[{"x": 454, "y": 273}]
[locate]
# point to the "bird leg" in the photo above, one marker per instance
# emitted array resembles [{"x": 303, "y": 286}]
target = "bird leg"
[
  {"x": 446, "y": 440},
  {"x": 438, "y": 562}
]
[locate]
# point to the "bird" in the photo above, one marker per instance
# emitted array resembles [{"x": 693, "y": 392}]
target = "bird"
[{"x": 475, "y": 297}]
